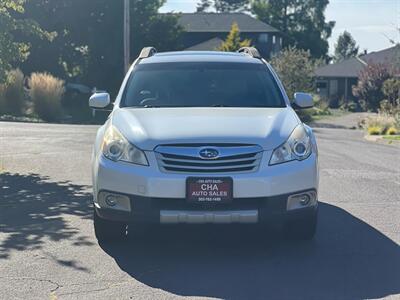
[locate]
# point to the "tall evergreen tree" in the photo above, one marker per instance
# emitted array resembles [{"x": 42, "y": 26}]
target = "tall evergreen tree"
[
  {"x": 301, "y": 21},
  {"x": 222, "y": 6},
  {"x": 233, "y": 41},
  {"x": 204, "y": 5},
  {"x": 345, "y": 47},
  {"x": 231, "y": 5}
]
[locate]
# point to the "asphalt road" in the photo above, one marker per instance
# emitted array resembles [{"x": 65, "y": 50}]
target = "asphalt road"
[{"x": 48, "y": 249}]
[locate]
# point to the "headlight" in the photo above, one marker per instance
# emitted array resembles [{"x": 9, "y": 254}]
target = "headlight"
[
  {"x": 297, "y": 147},
  {"x": 117, "y": 148}
]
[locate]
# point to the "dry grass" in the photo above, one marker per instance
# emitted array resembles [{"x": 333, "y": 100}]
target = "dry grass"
[
  {"x": 380, "y": 124},
  {"x": 12, "y": 94},
  {"x": 46, "y": 92}
]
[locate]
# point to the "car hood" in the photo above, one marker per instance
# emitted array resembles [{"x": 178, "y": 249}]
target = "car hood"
[{"x": 149, "y": 127}]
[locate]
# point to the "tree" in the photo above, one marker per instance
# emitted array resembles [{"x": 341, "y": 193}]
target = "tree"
[
  {"x": 233, "y": 41},
  {"x": 391, "y": 90},
  {"x": 89, "y": 44},
  {"x": 370, "y": 83},
  {"x": 221, "y": 6},
  {"x": 204, "y": 5},
  {"x": 295, "y": 68},
  {"x": 12, "y": 50},
  {"x": 301, "y": 21},
  {"x": 345, "y": 47}
]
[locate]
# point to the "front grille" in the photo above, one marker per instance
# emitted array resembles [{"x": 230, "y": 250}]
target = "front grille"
[{"x": 187, "y": 159}]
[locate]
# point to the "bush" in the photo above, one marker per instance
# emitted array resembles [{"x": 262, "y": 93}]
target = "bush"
[
  {"x": 397, "y": 121},
  {"x": 46, "y": 92},
  {"x": 295, "y": 68},
  {"x": 374, "y": 130},
  {"x": 12, "y": 94},
  {"x": 379, "y": 124},
  {"x": 391, "y": 131},
  {"x": 370, "y": 83},
  {"x": 391, "y": 90},
  {"x": 350, "y": 106},
  {"x": 320, "y": 108}
]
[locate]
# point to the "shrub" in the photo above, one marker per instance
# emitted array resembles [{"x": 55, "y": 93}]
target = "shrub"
[
  {"x": 379, "y": 124},
  {"x": 295, "y": 68},
  {"x": 320, "y": 108},
  {"x": 397, "y": 120},
  {"x": 12, "y": 94},
  {"x": 369, "y": 87},
  {"x": 375, "y": 130},
  {"x": 391, "y": 90},
  {"x": 46, "y": 92},
  {"x": 391, "y": 131}
]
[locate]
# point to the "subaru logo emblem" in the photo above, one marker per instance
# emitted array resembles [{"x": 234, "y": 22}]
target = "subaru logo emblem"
[{"x": 209, "y": 153}]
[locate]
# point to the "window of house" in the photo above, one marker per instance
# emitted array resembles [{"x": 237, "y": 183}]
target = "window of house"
[
  {"x": 273, "y": 39},
  {"x": 263, "y": 38}
]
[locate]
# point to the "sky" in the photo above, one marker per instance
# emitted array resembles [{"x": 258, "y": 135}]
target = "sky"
[{"x": 371, "y": 22}]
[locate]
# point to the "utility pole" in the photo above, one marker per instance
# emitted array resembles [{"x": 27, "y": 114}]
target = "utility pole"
[{"x": 127, "y": 41}]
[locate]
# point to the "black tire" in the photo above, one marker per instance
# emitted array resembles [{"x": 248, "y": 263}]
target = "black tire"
[
  {"x": 108, "y": 231},
  {"x": 302, "y": 228}
]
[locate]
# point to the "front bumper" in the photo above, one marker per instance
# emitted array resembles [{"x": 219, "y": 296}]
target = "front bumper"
[
  {"x": 149, "y": 181},
  {"x": 171, "y": 211},
  {"x": 157, "y": 197}
]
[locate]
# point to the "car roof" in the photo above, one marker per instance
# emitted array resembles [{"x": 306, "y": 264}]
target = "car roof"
[{"x": 200, "y": 56}]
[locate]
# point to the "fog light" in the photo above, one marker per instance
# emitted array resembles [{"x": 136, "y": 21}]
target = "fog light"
[
  {"x": 111, "y": 200},
  {"x": 114, "y": 201},
  {"x": 302, "y": 200}
]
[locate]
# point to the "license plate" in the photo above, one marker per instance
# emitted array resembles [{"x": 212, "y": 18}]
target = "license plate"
[{"x": 206, "y": 190}]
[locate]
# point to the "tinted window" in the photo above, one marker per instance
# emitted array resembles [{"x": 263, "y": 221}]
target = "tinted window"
[{"x": 202, "y": 85}]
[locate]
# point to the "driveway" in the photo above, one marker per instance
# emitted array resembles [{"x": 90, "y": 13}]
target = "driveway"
[{"x": 48, "y": 249}]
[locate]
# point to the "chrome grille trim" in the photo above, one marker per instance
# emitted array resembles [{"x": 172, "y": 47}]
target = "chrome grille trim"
[{"x": 186, "y": 159}]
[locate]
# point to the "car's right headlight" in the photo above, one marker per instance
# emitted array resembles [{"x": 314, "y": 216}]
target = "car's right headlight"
[
  {"x": 115, "y": 147},
  {"x": 297, "y": 147}
]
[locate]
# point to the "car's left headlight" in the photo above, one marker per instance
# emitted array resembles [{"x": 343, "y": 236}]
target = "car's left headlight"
[
  {"x": 115, "y": 147},
  {"x": 297, "y": 147}
]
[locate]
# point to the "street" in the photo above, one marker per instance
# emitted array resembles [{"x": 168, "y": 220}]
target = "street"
[{"x": 48, "y": 249}]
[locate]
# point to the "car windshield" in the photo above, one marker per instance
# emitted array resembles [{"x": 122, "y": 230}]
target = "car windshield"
[{"x": 202, "y": 85}]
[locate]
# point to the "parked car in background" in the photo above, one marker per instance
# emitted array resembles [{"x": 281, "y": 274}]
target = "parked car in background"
[{"x": 203, "y": 137}]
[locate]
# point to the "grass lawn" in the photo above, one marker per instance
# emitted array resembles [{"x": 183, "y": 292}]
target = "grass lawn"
[{"x": 392, "y": 137}]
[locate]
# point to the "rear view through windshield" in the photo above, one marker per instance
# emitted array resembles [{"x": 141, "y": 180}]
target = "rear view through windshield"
[{"x": 202, "y": 85}]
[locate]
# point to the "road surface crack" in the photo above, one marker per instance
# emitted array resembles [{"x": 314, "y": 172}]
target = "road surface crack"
[{"x": 57, "y": 285}]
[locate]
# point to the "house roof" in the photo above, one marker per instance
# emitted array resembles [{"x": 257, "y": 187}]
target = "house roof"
[
  {"x": 222, "y": 22},
  {"x": 209, "y": 45},
  {"x": 351, "y": 67}
]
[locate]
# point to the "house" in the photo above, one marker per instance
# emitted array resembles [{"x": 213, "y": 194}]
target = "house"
[
  {"x": 206, "y": 31},
  {"x": 335, "y": 82}
]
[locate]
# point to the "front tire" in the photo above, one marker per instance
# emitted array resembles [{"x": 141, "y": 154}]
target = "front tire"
[
  {"x": 108, "y": 231},
  {"x": 302, "y": 228}
]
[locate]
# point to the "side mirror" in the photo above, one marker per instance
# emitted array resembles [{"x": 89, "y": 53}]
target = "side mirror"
[
  {"x": 303, "y": 100},
  {"x": 99, "y": 100}
]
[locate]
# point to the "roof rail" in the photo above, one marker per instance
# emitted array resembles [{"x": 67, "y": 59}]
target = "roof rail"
[
  {"x": 250, "y": 51},
  {"x": 147, "y": 52}
]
